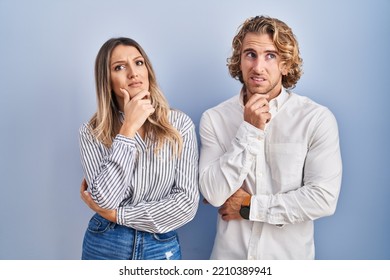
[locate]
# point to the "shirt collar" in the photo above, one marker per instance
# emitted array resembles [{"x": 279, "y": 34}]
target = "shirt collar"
[{"x": 279, "y": 101}]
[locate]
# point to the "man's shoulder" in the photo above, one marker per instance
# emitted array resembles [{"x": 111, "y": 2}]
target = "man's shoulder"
[
  {"x": 308, "y": 106},
  {"x": 227, "y": 115},
  {"x": 226, "y": 105},
  {"x": 305, "y": 101}
]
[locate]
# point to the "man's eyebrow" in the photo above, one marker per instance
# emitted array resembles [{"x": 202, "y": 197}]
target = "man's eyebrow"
[
  {"x": 253, "y": 50},
  {"x": 248, "y": 50},
  {"x": 272, "y": 51}
]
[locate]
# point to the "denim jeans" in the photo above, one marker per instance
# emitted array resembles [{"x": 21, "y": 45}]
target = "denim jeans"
[{"x": 105, "y": 240}]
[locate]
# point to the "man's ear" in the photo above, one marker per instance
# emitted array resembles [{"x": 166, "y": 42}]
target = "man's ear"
[{"x": 284, "y": 69}]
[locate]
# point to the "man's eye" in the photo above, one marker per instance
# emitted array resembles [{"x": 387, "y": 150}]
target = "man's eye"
[
  {"x": 251, "y": 55},
  {"x": 271, "y": 56}
]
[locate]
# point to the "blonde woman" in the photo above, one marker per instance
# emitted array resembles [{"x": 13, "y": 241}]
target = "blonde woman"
[{"x": 140, "y": 161}]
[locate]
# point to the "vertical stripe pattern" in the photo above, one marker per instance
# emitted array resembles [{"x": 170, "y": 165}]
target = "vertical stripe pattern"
[{"x": 153, "y": 192}]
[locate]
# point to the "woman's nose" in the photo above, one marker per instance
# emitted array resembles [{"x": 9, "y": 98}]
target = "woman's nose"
[{"x": 131, "y": 72}]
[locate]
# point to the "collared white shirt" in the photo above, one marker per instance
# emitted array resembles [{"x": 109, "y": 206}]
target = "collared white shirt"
[
  {"x": 293, "y": 169},
  {"x": 153, "y": 192}
]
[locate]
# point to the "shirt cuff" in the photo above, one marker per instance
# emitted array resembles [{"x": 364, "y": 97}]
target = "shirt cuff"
[
  {"x": 251, "y": 137},
  {"x": 248, "y": 131},
  {"x": 120, "y": 216},
  {"x": 259, "y": 211},
  {"x": 123, "y": 139},
  {"x": 259, "y": 206}
]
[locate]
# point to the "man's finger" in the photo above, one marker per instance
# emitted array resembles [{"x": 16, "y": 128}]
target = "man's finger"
[{"x": 255, "y": 98}]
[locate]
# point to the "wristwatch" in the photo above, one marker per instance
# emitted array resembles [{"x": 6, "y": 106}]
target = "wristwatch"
[{"x": 245, "y": 208}]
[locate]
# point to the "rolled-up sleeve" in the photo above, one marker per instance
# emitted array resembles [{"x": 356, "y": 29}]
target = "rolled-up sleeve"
[{"x": 223, "y": 171}]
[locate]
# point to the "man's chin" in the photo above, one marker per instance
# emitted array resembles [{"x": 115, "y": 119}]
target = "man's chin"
[{"x": 257, "y": 90}]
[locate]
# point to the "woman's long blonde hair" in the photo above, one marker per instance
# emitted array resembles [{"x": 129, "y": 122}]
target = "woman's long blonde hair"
[
  {"x": 284, "y": 41},
  {"x": 105, "y": 123}
]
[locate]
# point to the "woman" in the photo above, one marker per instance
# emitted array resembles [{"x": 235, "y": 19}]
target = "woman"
[{"x": 140, "y": 161}]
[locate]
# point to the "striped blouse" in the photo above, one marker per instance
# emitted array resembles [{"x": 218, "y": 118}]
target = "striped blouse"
[{"x": 152, "y": 192}]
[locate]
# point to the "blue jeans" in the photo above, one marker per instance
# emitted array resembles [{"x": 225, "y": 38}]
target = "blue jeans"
[{"x": 105, "y": 240}]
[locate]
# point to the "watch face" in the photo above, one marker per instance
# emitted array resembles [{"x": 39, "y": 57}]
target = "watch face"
[{"x": 244, "y": 212}]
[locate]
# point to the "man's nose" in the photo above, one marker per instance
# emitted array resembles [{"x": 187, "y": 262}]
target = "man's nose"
[{"x": 259, "y": 65}]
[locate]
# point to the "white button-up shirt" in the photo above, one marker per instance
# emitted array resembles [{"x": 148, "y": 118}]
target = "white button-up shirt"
[{"x": 292, "y": 169}]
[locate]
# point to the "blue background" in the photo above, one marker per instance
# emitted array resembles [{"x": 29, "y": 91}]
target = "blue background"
[{"x": 47, "y": 52}]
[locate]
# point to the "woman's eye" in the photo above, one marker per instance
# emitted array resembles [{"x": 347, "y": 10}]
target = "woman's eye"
[
  {"x": 139, "y": 62},
  {"x": 119, "y": 67}
]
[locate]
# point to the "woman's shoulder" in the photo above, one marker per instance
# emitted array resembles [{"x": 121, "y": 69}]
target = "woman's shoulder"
[
  {"x": 86, "y": 132},
  {"x": 85, "y": 128},
  {"x": 177, "y": 115},
  {"x": 180, "y": 120}
]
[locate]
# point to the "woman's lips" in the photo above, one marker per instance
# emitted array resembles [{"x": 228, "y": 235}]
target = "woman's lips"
[{"x": 135, "y": 84}]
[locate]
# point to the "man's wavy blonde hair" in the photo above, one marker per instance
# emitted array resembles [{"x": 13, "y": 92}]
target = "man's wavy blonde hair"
[
  {"x": 105, "y": 123},
  {"x": 283, "y": 39}
]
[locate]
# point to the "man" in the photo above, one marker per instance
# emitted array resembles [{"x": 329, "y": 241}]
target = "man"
[{"x": 270, "y": 159}]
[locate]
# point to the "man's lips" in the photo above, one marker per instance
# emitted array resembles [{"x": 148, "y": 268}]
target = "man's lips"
[{"x": 258, "y": 79}]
